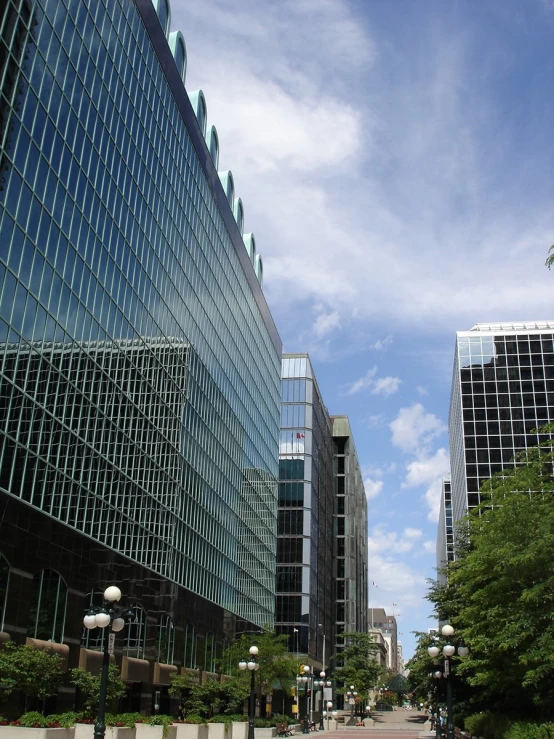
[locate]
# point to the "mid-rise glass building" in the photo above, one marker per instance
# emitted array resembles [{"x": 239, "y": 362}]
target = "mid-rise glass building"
[
  {"x": 306, "y": 593},
  {"x": 502, "y": 388},
  {"x": 139, "y": 362}
]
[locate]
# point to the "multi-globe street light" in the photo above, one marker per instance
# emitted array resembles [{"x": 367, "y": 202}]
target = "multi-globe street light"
[
  {"x": 448, "y": 651},
  {"x": 329, "y": 712},
  {"x": 351, "y": 695},
  {"x": 302, "y": 684},
  {"x": 100, "y": 617},
  {"x": 252, "y": 665},
  {"x": 322, "y": 683}
]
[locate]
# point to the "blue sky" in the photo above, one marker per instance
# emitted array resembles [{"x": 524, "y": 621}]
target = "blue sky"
[{"x": 395, "y": 159}]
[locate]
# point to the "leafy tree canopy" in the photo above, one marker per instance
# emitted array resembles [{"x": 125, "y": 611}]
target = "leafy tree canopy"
[
  {"x": 277, "y": 664},
  {"x": 36, "y": 673},
  {"x": 500, "y": 593},
  {"x": 357, "y": 665},
  {"x": 89, "y": 687}
]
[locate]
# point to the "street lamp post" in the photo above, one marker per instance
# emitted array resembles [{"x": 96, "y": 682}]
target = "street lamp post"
[
  {"x": 448, "y": 651},
  {"x": 351, "y": 695},
  {"x": 99, "y": 617},
  {"x": 301, "y": 684},
  {"x": 322, "y": 683},
  {"x": 252, "y": 665}
]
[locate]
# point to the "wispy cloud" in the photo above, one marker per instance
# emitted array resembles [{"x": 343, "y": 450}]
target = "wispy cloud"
[{"x": 385, "y": 386}]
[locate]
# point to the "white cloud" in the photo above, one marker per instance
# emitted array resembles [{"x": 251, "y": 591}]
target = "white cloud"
[
  {"x": 432, "y": 498},
  {"x": 414, "y": 429},
  {"x": 413, "y": 533},
  {"x": 430, "y": 546},
  {"x": 363, "y": 382},
  {"x": 376, "y": 421},
  {"x": 382, "y": 344},
  {"x": 372, "y": 488},
  {"x": 422, "y": 390},
  {"x": 386, "y": 386},
  {"x": 325, "y": 323},
  {"x": 425, "y": 469},
  {"x": 394, "y": 578}
]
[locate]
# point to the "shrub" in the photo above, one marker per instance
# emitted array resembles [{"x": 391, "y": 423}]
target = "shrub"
[
  {"x": 32, "y": 720},
  {"x": 527, "y": 730},
  {"x": 221, "y": 718},
  {"x": 89, "y": 686},
  {"x": 194, "y": 718},
  {"x": 487, "y": 725},
  {"x": 130, "y": 719},
  {"x": 65, "y": 720},
  {"x": 262, "y": 723}
]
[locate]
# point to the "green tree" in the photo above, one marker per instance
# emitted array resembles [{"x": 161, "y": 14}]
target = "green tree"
[
  {"x": 277, "y": 665},
  {"x": 356, "y": 665},
  {"x": 215, "y": 697},
  {"x": 500, "y": 593},
  {"x": 550, "y": 259},
  {"x": 36, "y": 673},
  {"x": 89, "y": 687}
]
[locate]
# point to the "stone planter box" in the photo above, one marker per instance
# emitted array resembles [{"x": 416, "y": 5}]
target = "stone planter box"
[
  {"x": 191, "y": 731},
  {"x": 265, "y": 733},
  {"x": 368, "y": 723},
  {"x": 218, "y": 731},
  {"x": 145, "y": 731},
  {"x": 22, "y": 732},
  {"x": 239, "y": 730},
  {"x": 86, "y": 731}
]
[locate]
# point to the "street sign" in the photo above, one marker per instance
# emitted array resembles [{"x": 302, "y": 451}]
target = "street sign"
[
  {"x": 111, "y": 643},
  {"x": 446, "y": 667},
  {"x": 351, "y": 701}
]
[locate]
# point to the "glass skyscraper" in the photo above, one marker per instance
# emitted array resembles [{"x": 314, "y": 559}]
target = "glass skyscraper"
[
  {"x": 502, "y": 388},
  {"x": 139, "y": 363}
]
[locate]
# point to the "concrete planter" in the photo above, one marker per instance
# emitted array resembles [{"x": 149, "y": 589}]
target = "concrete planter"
[
  {"x": 265, "y": 733},
  {"x": 191, "y": 731},
  {"x": 22, "y": 732},
  {"x": 86, "y": 731},
  {"x": 368, "y": 723},
  {"x": 145, "y": 731},
  {"x": 218, "y": 731},
  {"x": 239, "y": 730}
]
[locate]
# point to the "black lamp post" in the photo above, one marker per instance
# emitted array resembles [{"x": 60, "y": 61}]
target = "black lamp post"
[
  {"x": 252, "y": 665},
  {"x": 448, "y": 651},
  {"x": 351, "y": 695},
  {"x": 322, "y": 683},
  {"x": 101, "y": 616},
  {"x": 302, "y": 684}
]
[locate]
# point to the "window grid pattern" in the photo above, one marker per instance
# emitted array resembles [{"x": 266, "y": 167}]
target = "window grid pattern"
[
  {"x": 110, "y": 233},
  {"x": 503, "y": 387}
]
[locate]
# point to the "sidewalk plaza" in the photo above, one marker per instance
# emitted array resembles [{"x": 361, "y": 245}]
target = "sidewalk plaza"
[{"x": 397, "y": 724}]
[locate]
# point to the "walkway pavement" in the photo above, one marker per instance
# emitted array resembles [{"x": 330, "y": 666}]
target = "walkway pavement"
[{"x": 396, "y": 724}]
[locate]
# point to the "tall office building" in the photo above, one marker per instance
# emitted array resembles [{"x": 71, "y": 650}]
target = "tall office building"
[
  {"x": 305, "y": 602},
  {"x": 351, "y": 534},
  {"x": 139, "y": 363},
  {"x": 502, "y": 388},
  {"x": 445, "y": 534}
]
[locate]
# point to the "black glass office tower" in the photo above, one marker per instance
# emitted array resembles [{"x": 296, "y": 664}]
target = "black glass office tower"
[
  {"x": 503, "y": 387},
  {"x": 139, "y": 363}
]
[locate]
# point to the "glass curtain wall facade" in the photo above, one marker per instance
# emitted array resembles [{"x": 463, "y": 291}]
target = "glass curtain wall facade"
[
  {"x": 351, "y": 551},
  {"x": 445, "y": 534},
  {"x": 305, "y": 586},
  {"x": 503, "y": 387},
  {"x": 139, "y": 363}
]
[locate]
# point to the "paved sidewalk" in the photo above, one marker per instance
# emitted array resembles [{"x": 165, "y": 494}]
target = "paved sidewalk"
[{"x": 397, "y": 724}]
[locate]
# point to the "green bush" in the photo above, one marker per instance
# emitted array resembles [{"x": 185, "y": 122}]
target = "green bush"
[
  {"x": 33, "y": 720},
  {"x": 65, "y": 720},
  {"x": 527, "y": 730},
  {"x": 280, "y": 719},
  {"x": 130, "y": 719},
  {"x": 487, "y": 725},
  {"x": 3, "y": 721},
  {"x": 194, "y": 718},
  {"x": 262, "y": 723}
]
